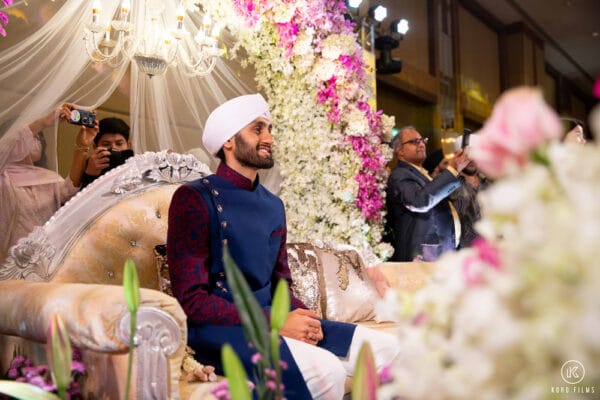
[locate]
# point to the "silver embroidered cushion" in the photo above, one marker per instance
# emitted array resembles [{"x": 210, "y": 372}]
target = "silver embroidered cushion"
[{"x": 304, "y": 266}]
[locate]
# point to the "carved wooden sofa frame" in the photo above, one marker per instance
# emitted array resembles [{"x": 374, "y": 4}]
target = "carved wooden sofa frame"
[{"x": 73, "y": 265}]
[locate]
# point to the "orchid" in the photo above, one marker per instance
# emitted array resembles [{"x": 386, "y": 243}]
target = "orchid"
[{"x": 4, "y": 17}]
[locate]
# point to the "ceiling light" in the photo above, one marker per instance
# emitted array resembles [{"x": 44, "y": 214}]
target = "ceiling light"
[
  {"x": 353, "y": 3},
  {"x": 400, "y": 26},
  {"x": 154, "y": 47},
  {"x": 378, "y": 13},
  {"x": 385, "y": 64}
]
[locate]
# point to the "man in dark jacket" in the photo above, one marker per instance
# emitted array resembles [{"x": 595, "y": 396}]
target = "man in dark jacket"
[{"x": 419, "y": 212}]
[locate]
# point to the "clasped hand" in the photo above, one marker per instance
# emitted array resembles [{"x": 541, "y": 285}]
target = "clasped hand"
[{"x": 303, "y": 325}]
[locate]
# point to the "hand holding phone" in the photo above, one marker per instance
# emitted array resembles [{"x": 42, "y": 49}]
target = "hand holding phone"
[{"x": 82, "y": 117}]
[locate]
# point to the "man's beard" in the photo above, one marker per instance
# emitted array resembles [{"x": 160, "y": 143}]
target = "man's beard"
[
  {"x": 248, "y": 156},
  {"x": 471, "y": 169}
]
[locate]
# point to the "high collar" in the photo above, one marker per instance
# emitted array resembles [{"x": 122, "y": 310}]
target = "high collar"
[{"x": 235, "y": 178}]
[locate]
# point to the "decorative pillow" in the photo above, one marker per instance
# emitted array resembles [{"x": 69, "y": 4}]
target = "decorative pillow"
[
  {"x": 162, "y": 267},
  {"x": 348, "y": 293},
  {"x": 305, "y": 265}
]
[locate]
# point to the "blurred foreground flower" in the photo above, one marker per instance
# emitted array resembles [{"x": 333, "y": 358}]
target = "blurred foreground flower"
[{"x": 501, "y": 319}]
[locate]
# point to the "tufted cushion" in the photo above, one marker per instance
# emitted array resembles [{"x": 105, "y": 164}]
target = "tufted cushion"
[{"x": 129, "y": 229}]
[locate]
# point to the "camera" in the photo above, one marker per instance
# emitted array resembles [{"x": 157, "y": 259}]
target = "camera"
[
  {"x": 118, "y": 157},
  {"x": 82, "y": 117}
]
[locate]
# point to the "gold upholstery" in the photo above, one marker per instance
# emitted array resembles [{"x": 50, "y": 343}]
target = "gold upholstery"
[{"x": 129, "y": 229}]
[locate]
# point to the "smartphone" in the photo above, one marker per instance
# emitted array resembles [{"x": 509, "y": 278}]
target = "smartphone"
[
  {"x": 466, "y": 137},
  {"x": 82, "y": 117},
  {"x": 118, "y": 157}
]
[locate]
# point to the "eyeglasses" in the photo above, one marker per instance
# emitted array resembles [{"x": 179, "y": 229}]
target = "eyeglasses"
[{"x": 416, "y": 141}]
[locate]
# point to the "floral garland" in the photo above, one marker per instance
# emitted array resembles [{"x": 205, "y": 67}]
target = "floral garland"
[
  {"x": 4, "y": 17},
  {"x": 329, "y": 140},
  {"x": 506, "y": 318}
]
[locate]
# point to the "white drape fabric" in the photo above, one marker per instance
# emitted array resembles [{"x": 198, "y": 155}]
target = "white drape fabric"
[
  {"x": 50, "y": 66},
  {"x": 43, "y": 63}
]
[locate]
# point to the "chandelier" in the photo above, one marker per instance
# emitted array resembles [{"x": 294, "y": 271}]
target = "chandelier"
[{"x": 149, "y": 42}]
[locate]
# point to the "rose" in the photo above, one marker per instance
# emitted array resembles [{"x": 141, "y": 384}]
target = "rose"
[{"x": 520, "y": 122}]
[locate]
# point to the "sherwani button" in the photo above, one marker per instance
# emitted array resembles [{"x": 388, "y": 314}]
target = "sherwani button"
[
  {"x": 219, "y": 208},
  {"x": 215, "y": 192},
  {"x": 224, "y": 224}
]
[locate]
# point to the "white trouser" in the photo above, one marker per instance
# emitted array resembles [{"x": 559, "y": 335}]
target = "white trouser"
[{"x": 325, "y": 373}]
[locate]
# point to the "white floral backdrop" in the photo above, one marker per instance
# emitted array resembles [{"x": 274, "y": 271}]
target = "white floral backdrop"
[{"x": 328, "y": 138}]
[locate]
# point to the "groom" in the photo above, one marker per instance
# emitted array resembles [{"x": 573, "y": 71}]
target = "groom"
[{"x": 232, "y": 207}]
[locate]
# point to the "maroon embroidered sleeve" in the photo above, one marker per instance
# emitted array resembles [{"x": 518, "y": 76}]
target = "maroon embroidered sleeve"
[{"x": 188, "y": 250}]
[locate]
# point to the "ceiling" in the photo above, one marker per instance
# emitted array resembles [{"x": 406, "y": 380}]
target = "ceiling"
[{"x": 570, "y": 30}]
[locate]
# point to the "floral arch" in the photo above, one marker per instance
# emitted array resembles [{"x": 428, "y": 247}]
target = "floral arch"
[{"x": 329, "y": 139}]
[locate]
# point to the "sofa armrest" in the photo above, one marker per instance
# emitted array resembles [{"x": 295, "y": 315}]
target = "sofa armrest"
[
  {"x": 97, "y": 320},
  {"x": 91, "y": 313}
]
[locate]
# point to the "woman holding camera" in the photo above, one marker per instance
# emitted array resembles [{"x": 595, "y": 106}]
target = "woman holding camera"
[{"x": 29, "y": 192}]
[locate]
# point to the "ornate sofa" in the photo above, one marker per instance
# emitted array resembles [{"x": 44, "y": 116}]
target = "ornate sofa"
[{"x": 73, "y": 265}]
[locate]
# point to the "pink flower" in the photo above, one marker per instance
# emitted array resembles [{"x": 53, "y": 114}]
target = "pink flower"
[
  {"x": 473, "y": 266},
  {"x": 597, "y": 88},
  {"x": 520, "y": 123},
  {"x": 487, "y": 252},
  {"x": 256, "y": 358}
]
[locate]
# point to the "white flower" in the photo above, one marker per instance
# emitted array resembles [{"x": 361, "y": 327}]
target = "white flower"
[
  {"x": 336, "y": 45},
  {"x": 324, "y": 69},
  {"x": 358, "y": 125},
  {"x": 283, "y": 11}
]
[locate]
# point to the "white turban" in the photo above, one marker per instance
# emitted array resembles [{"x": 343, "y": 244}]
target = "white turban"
[{"x": 230, "y": 117}]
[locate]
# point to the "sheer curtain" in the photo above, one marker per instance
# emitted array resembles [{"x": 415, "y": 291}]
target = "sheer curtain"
[
  {"x": 43, "y": 63},
  {"x": 48, "y": 65}
]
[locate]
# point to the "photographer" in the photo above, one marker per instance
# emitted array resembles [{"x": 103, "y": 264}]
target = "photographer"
[{"x": 111, "y": 148}]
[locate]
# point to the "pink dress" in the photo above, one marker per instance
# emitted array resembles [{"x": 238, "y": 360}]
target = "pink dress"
[{"x": 29, "y": 195}]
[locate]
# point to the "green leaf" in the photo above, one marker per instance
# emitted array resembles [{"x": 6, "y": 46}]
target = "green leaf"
[
  {"x": 132, "y": 286},
  {"x": 235, "y": 374},
  {"x": 253, "y": 320},
  {"x": 365, "y": 381},
  {"x": 59, "y": 354},
  {"x": 281, "y": 305},
  {"x": 25, "y": 391}
]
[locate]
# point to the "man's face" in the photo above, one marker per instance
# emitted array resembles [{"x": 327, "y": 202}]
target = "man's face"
[
  {"x": 253, "y": 144},
  {"x": 113, "y": 141},
  {"x": 470, "y": 169},
  {"x": 411, "y": 151}
]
